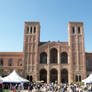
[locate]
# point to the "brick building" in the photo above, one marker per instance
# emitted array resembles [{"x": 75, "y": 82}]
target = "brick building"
[{"x": 49, "y": 61}]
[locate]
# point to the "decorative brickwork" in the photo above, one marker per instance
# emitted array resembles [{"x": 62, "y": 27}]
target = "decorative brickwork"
[{"x": 49, "y": 61}]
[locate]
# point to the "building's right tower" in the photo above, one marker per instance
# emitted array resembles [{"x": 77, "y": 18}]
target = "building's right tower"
[{"x": 77, "y": 51}]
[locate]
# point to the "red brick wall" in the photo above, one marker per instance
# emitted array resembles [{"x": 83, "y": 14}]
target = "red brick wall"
[
  {"x": 89, "y": 61},
  {"x": 15, "y": 56}
]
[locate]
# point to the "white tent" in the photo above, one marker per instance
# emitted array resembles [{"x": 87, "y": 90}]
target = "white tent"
[
  {"x": 88, "y": 79},
  {"x": 1, "y": 80},
  {"x": 14, "y": 78}
]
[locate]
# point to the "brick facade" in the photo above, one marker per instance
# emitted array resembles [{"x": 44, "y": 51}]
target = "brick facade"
[{"x": 49, "y": 61}]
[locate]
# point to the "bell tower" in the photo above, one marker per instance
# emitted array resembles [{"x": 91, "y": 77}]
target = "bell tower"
[
  {"x": 31, "y": 41},
  {"x": 77, "y": 50}
]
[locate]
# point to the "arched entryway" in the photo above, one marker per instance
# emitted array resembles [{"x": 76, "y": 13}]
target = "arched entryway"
[
  {"x": 53, "y": 75},
  {"x": 53, "y": 55},
  {"x": 43, "y": 75},
  {"x": 64, "y": 76}
]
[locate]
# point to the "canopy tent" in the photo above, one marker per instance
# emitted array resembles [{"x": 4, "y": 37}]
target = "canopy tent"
[
  {"x": 1, "y": 80},
  {"x": 88, "y": 79},
  {"x": 14, "y": 78}
]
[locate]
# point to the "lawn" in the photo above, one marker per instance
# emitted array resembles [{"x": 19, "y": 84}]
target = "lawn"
[{"x": 8, "y": 90}]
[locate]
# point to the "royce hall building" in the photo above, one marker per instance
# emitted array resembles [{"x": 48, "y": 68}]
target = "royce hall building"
[{"x": 49, "y": 61}]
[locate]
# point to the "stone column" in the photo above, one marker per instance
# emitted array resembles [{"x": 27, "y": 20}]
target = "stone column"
[
  {"x": 59, "y": 73},
  {"x": 48, "y": 65}
]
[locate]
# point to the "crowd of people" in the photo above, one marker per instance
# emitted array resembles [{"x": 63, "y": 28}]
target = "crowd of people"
[
  {"x": 60, "y": 88},
  {"x": 52, "y": 87}
]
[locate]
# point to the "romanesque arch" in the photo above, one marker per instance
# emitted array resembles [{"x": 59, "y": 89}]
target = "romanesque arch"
[
  {"x": 53, "y": 55},
  {"x": 43, "y": 58},
  {"x": 53, "y": 75},
  {"x": 43, "y": 75},
  {"x": 64, "y": 76},
  {"x": 64, "y": 58}
]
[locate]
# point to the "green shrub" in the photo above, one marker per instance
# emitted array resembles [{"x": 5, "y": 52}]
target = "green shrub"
[{"x": 78, "y": 83}]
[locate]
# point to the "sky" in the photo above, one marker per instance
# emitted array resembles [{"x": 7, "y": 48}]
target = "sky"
[{"x": 53, "y": 15}]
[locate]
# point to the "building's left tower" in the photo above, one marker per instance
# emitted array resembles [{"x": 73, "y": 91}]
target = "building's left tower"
[{"x": 31, "y": 43}]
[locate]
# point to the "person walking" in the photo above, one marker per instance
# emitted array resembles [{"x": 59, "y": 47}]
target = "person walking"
[{"x": 19, "y": 88}]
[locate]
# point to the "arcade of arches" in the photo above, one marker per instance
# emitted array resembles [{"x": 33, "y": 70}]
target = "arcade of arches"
[
  {"x": 51, "y": 60},
  {"x": 54, "y": 75},
  {"x": 54, "y": 57}
]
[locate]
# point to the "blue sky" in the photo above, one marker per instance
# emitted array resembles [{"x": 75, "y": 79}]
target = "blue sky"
[{"x": 53, "y": 16}]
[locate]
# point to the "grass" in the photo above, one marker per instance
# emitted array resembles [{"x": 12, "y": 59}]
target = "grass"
[{"x": 7, "y": 90}]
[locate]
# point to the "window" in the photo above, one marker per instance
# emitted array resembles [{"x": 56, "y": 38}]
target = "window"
[
  {"x": 1, "y": 72},
  {"x": 19, "y": 62},
  {"x": 78, "y": 30},
  {"x": 30, "y": 78},
  {"x": 34, "y": 29},
  {"x": 10, "y": 62},
  {"x": 64, "y": 58},
  {"x": 53, "y": 56},
  {"x": 43, "y": 58},
  {"x": 78, "y": 78},
  {"x": 30, "y": 30},
  {"x": 87, "y": 63},
  {"x": 73, "y": 30},
  {"x": 1, "y": 62},
  {"x": 27, "y": 30}
]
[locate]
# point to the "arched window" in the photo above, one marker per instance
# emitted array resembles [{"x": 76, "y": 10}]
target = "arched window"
[
  {"x": 1, "y": 62},
  {"x": 78, "y": 78},
  {"x": 27, "y": 30},
  {"x": 34, "y": 29},
  {"x": 43, "y": 58},
  {"x": 53, "y": 55},
  {"x": 10, "y": 62},
  {"x": 73, "y": 30},
  {"x": 88, "y": 65},
  {"x": 64, "y": 58},
  {"x": 79, "y": 31},
  {"x": 19, "y": 62},
  {"x": 30, "y": 30}
]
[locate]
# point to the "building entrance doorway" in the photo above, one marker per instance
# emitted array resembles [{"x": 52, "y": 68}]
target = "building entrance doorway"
[
  {"x": 43, "y": 75},
  {"x": 64, "y": 76},
  {"x": 29, "y": 78},
  {"x": 53, "y": 75}
]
